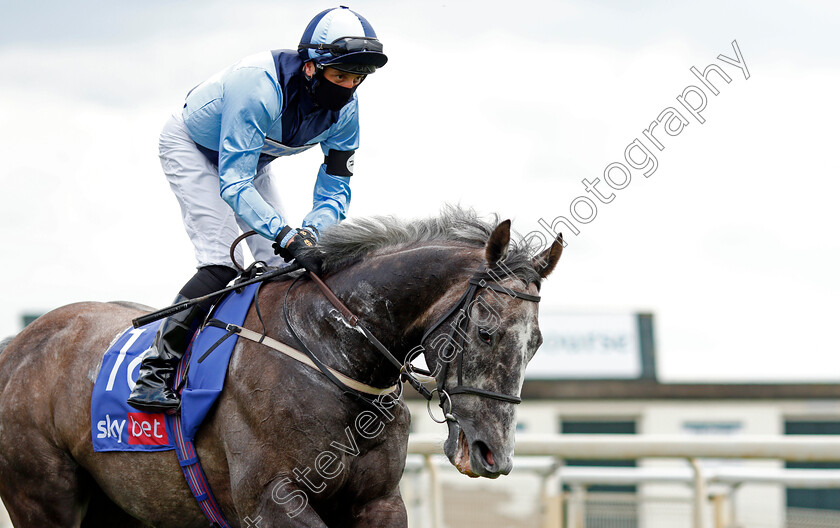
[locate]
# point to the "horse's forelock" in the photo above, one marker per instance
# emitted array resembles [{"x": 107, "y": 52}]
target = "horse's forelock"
[{"x": 348, "y": 242}]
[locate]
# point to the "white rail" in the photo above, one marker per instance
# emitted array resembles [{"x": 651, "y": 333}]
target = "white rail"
[
  {"x": 630, "y": 447},
  {"x": 555, "y": 448}
]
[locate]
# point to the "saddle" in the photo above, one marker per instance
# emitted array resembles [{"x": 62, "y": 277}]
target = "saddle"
[{"x": 116, "y": 426}]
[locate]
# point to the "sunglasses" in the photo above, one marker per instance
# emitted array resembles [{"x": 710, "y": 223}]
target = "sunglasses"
[{"x": 345, "y": 45}]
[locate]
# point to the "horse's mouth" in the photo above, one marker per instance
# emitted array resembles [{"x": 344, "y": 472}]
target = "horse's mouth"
[
  {"x": 462, "y": 456},
  {"x": 462, "y": 459}
]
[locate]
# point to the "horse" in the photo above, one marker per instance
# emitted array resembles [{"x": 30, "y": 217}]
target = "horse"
[{"x": 284, "y": 445}]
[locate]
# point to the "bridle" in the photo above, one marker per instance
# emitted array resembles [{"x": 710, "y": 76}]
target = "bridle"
[
  {"x": 482, "y": 278},
  {"x": 457, "y": 335}
]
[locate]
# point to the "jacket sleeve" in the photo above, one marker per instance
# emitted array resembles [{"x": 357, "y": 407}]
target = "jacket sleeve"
[
  {"x": 251, "y": 103},
  {"x": 331, "y": 196}
]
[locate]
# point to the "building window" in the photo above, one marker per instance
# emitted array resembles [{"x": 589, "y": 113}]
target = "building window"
[
  {"x": 712, "y": 428},
  {"x": 816, "y": 499},
  {"x": 605, "y": 506},
  {"x": 601, "y": 427},
  {"x": 598, "y": 427},
  {"x": 29, "y": 317}
]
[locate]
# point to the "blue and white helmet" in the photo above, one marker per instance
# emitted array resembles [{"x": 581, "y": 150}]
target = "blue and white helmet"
[{"x": 344, "y": 40}]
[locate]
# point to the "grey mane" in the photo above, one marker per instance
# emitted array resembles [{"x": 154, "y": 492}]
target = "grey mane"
[
  {"x": 350, "y": 241},
  {"x": 5, "y": 342}
]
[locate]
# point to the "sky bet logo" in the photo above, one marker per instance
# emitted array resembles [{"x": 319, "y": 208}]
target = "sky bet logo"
[
  {"x": 140, "y": 429},
  {"x": 109, "y": 428},
  {"x": 147, "y": 429}
]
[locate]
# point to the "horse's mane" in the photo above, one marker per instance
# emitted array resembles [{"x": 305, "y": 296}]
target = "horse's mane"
[
  {"x": 5, "y": 342},
  {"x": 350, "y": 241}
]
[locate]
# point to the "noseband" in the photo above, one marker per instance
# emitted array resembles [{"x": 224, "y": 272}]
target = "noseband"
[{"x": 481, "y": 279}]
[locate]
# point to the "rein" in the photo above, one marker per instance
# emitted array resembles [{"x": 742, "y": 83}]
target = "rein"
[
  {"x": 406, "y": 371},
  {"x": 481, "y": 279},
  {"x": 349, "y": 316}
]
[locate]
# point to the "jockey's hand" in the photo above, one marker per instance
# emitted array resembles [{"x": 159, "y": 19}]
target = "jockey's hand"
[{"x": 303, "y": 248}]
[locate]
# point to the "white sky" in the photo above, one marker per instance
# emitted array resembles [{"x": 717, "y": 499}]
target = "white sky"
[{"x": 502, "y": 106}]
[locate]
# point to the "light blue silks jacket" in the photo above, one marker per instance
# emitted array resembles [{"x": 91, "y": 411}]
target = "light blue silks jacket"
[{"x": 257, "y": 110}]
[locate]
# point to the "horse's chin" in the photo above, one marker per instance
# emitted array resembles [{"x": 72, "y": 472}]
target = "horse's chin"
[{"x": 475, "y": 462}]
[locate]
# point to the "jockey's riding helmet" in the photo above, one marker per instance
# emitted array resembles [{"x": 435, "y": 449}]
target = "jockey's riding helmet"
[{"x": 344, "y": 40}]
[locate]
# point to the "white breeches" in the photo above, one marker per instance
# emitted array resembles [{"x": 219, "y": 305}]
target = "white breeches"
[{"x": 210, "y": 222}]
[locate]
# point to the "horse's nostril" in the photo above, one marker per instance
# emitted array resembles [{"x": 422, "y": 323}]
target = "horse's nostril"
[{"x": 486, "y": 454}]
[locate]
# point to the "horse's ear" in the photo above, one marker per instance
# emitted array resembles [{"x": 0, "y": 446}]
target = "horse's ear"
[
  {"x": 544, "y": 262},
  {"x": 497, "y": 245}
]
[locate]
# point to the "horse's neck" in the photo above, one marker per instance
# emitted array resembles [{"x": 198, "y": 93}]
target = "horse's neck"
[{"x": 390, "y": 294}]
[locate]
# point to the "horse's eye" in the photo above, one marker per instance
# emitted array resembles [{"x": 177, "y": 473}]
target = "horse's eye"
[{"x": 484, "y": 335}]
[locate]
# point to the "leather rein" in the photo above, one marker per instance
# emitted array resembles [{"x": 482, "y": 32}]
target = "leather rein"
[{"x": 480, "y": 279}]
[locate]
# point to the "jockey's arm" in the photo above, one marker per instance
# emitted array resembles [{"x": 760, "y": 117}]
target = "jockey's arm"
[
  {"x": 250, "y": 108},
  {"x": 330, "y": 200},
  {"x": 331, "y": 195}
]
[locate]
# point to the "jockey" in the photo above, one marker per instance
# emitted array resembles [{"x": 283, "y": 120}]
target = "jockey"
[{"x": 216, "y": 153}]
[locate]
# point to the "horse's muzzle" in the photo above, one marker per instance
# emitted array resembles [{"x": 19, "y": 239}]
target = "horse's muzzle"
[{"x": 475, "y": 458}]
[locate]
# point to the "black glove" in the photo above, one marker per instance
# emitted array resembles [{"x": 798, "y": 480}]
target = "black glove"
[{"x": 303, "y": 248}]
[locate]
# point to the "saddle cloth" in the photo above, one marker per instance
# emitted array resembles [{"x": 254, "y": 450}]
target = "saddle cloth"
[{"x": 116, "y": 426}]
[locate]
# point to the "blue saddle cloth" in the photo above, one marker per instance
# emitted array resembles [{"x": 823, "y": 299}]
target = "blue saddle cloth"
[{"x": 116, "y": 426}]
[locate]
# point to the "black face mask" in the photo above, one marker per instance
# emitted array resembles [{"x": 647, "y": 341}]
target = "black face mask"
[{"x": 330, "y": 95}]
